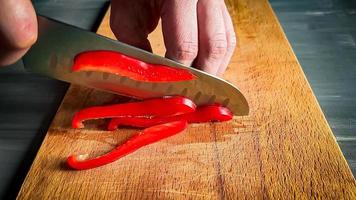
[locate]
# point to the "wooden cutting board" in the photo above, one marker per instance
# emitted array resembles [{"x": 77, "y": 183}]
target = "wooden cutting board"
[{"x": 283, "y": 150}]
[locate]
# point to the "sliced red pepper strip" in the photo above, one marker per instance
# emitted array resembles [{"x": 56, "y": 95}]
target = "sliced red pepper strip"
[
  {"x": 143, "y": 138},
  {"x": 166, "y": 106},
  {"x": 123, "y": 65},
  {"x": 201, "y": 114}
]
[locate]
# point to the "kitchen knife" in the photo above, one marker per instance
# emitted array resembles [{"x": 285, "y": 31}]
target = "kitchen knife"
[{"x": 58, "y": 43}]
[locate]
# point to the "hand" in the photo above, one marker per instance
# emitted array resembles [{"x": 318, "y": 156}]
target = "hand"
[
  {"x": 18, "y": 29},
  {"x": 198, "y": 32}
]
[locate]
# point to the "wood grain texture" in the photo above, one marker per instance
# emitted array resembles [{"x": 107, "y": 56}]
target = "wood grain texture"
[{"x": 284, "y": 150}]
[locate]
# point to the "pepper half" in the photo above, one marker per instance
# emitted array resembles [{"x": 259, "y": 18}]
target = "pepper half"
[
  {"x": 117, "y": 63},
  {"x": 142, "y": 138}
]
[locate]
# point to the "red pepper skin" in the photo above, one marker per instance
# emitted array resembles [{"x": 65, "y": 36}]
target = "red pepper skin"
[
  {"x": 158, "y": 107},
  {"x": 202, "y": 114},
  {"x": 143, "y": 138},
  {"x": 120, "y": 64}
]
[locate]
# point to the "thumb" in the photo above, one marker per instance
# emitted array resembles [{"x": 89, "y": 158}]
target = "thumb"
[{"x": 18, "y": 29}]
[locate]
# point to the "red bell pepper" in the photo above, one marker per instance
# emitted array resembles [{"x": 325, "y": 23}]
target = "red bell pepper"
[
  {"x": 159, "y": 123},
  {"x": 146, "y": 109},
  {"x": 202, "y": 114},
  {"x": 123, "y": 65},
  {"x": 143, "y": 138}
]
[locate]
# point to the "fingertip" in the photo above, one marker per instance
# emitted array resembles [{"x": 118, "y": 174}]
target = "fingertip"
[
  {"x": 19, "y": 27},
  {"x": 131, "y": 23},
  {"x": 184, "y": 52},
  {"x": 26, "y": 35},
  {"x": 180, "y": 30},
  {"x": 18, "y": 30}
]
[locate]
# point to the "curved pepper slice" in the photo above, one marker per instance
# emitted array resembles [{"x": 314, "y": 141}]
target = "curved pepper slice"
[
  {"x": 145, "y": 109},
  {"x": 143, "y": 138},
  {"x": 201, "y": 114},
  {"x": 120, "y": 64}
]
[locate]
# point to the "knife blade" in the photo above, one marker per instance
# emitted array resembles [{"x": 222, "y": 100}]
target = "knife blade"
[{"x": 58, "y": 43}]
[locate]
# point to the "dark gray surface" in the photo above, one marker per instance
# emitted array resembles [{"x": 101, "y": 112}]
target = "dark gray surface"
[
  {"x": 29, "y": 102},
  {"x": 323, "y": 36},
  {"x": 322, "y": 33}
]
